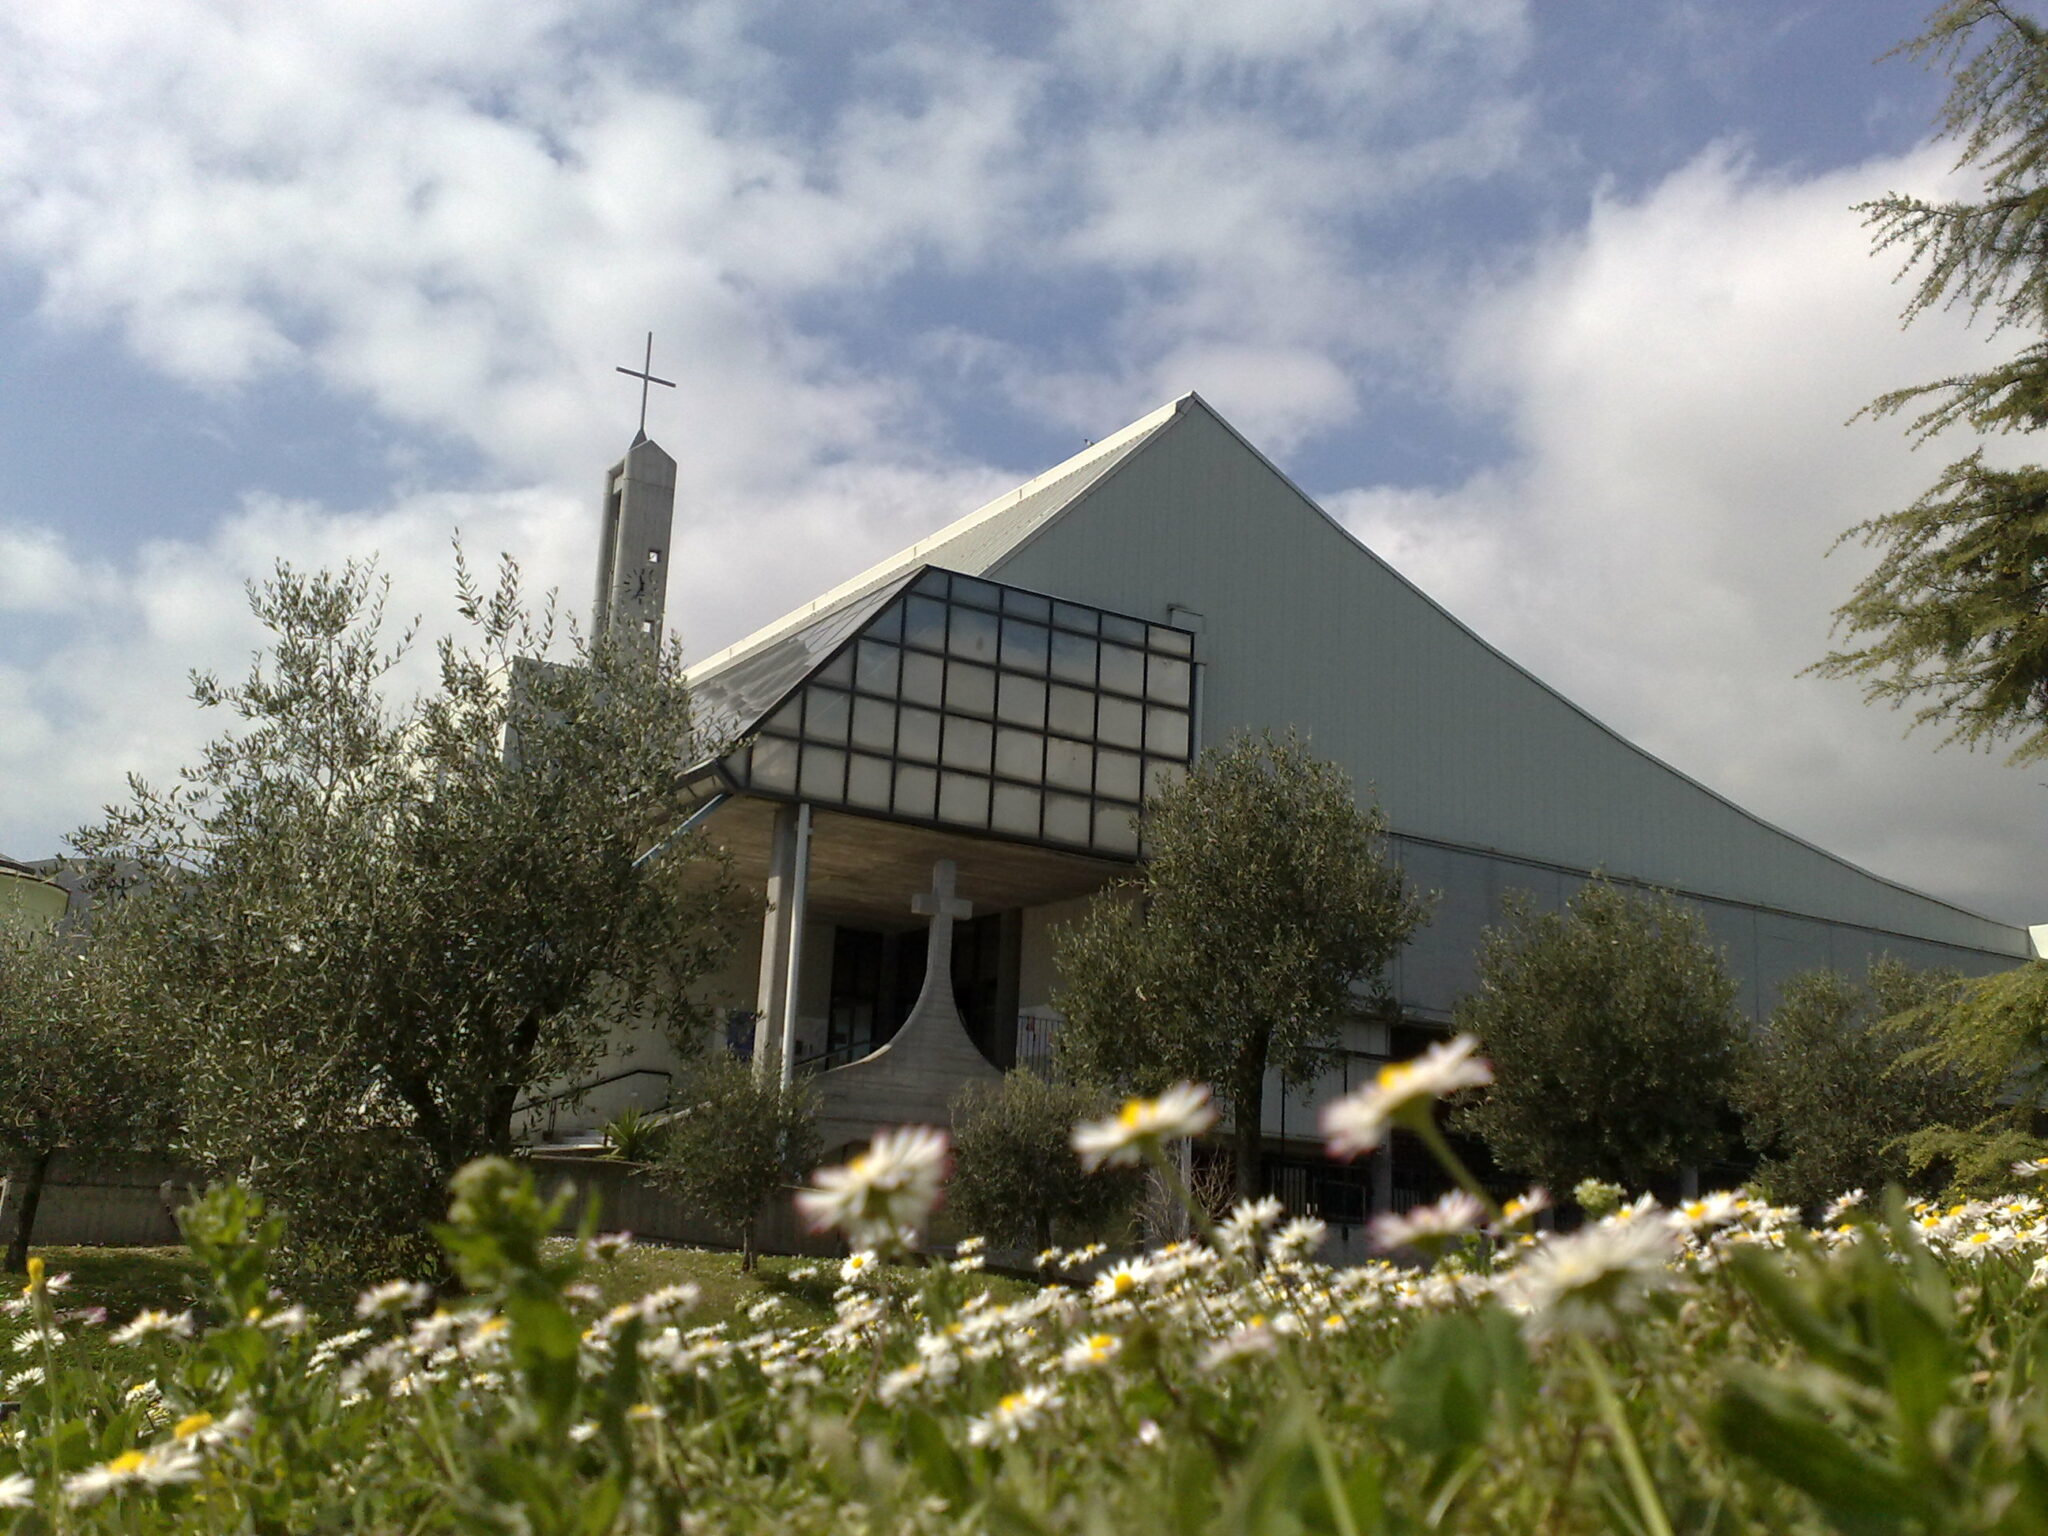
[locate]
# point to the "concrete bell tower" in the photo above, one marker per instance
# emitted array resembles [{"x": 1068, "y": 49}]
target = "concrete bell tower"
[{"x": 633, "y": 545}]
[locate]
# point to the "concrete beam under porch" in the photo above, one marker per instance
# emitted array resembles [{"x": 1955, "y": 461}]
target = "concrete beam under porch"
[{"x": 865, "y": 869}]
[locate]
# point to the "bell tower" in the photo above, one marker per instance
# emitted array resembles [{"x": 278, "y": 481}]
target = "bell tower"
[{"x": 632, "y": 546}]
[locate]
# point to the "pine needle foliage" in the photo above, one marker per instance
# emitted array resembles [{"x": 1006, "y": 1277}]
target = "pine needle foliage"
[{"x": 1954, "y": 616}]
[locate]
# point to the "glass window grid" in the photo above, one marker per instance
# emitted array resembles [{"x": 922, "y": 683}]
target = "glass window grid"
[{"x": 831, "y": 764}]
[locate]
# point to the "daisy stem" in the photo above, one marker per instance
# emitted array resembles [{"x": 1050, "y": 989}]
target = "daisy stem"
[
  {"x": 1425, "y": 1126},
  {"x": 1631, "y": 1455},
  {"x": 1177, "y": 1187}
]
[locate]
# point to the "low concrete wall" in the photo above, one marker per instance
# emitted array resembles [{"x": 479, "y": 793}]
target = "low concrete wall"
[
  {"x": 99, "y": 1206},
  {"x": 628, "y": 1202}
]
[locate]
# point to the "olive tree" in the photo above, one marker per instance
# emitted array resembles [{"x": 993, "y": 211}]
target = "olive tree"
[
  {"x": 84, "y": 1069},
  {"x": 735, "y": 1138},
  {"x": 1016, "y": 1177},
  {"x": 1263, "y": 913},
  {"x": 1613, "y": 1034},
  {"x": 384, "y": 920},
  {"x": 1833, "y": 1084}
]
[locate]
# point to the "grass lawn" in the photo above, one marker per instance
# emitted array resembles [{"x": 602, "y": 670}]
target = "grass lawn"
[{"x": 126, "y": 1280}]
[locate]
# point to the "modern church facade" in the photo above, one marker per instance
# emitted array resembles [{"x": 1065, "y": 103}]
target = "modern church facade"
[{"x": 949, "y": 753}]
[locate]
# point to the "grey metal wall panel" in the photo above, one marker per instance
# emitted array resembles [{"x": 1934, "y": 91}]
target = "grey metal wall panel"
[{"x": 1305, "y": 627}]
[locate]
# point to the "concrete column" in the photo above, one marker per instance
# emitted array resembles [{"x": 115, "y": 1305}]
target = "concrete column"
[
  {"x": 793, "y": 966},
  {"x": 778, "y": 911},
  {"x": 1383, "y": 1178}
]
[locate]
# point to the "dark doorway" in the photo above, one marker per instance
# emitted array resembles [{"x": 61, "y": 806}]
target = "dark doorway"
[{"x": 876, "y": 977}]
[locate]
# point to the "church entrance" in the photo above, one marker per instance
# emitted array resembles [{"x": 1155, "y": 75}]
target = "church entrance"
[{"x": 876, "y": 977}]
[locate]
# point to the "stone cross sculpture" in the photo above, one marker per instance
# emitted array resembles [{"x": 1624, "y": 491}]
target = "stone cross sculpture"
[
  {"x": 942, "y": 907},
  {"x": 915, "y": 1078}
]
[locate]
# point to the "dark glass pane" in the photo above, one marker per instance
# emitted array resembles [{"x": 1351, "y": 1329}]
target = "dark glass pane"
[
  {"x": 1116, "y": 627},
  {"x": 924, "y": 678},
  {"x": 1071, "y": 712},
  {"x": 1021, "y": 700},
  {"x": 1069, "y": 764},
  {"x": 824, "y": 776},
  {"x": 788, "y": 719},
  {"x": 888, "y": 624},
  {"x": 963, "y": 798},
  {"x": 867, "y": 781},
  {"x": 1123, "y": 670},
  {"x": 1116, "y": 775},
  {"x": 1073, "y": 616},
  {"x": 1116, "y": 829},
  {"x": 1024, "y": 645},
  {"x": 1067, "y": 818},
  {"x": 968, "y": 744},
  {"x": 973, "y": 634},
  {"x": 917, "y": 790},
  {"x": 826, "y": 713},
  {"x": 970, "y": 688},
  {"x": 924, "y": 623},
  {"x": 1166, "y": 730},
  {"x": 875, "y": 669},
  {"x": 933, "y": 582},
  {"x": 874, "y": 725},
  {"x": 775, "y": 764},
  {"x": 1161, "y": 776},
  {"x": 1015, "y": 810},
  {"x": 971, "y": 589},
  {"x": 838, "y": 671},
  {"x": 1027, "y": 605},
  {"x": 1073, "y": 658},
  {"x": 1177, "y": 642},
  {"x": 1120, "y": 722},
  {"x": 1168, "y": 681},
  {"x": 917, "y": 734},
  {"x": 1020, "y": 755}
]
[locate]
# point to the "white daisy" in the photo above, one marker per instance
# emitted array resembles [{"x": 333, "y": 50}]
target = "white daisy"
[
  {"x": 884, "y": 1193},
  {"x": 149, "y": 1322},
  {"x": 392, "y": 1297},
  {"x": 1428, "y": 1226},
  {"x": 1403, "y": 1090},
  {"x": 17, "y": 1491},
  {"x": 1182, "y": 1111},
  {"x": 1577, "y": 1283},
  {"x": 1015, "y": 1416}
]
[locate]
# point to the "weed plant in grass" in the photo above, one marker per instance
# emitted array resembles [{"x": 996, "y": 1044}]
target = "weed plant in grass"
[{"x": 1716, "y": 1368}]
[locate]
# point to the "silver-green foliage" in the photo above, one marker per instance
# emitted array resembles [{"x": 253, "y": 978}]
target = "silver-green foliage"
[
  {"x": 736, "y": 1137},
  {"x": 1016, "y": 1178},
  {"x": 1263, "y": 915},
  {"x": 384, "y": 919},
  {"x": 1613, "y": 1034},
  {"x": 86, "y": 1070},
  {"x": 1828, "y": 1090}
]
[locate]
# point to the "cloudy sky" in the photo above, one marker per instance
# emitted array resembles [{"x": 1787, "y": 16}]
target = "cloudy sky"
[{"x": 1563, "y": 308}]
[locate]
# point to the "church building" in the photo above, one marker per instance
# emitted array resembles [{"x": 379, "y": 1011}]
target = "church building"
[{"x": 926, "y": 770}]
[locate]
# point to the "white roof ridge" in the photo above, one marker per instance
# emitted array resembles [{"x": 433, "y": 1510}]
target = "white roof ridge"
[{"x": 906, "y": 558}]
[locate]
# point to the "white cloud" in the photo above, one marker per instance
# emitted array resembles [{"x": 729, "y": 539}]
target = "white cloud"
[{"x": 1678, "y": 376}]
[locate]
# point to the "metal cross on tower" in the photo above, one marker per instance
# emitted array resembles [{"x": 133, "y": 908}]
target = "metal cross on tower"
[{"x": 645, "y": 374}]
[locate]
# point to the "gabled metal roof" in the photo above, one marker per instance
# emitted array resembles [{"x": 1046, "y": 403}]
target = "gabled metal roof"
[{"x": 972, "y": 545}]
